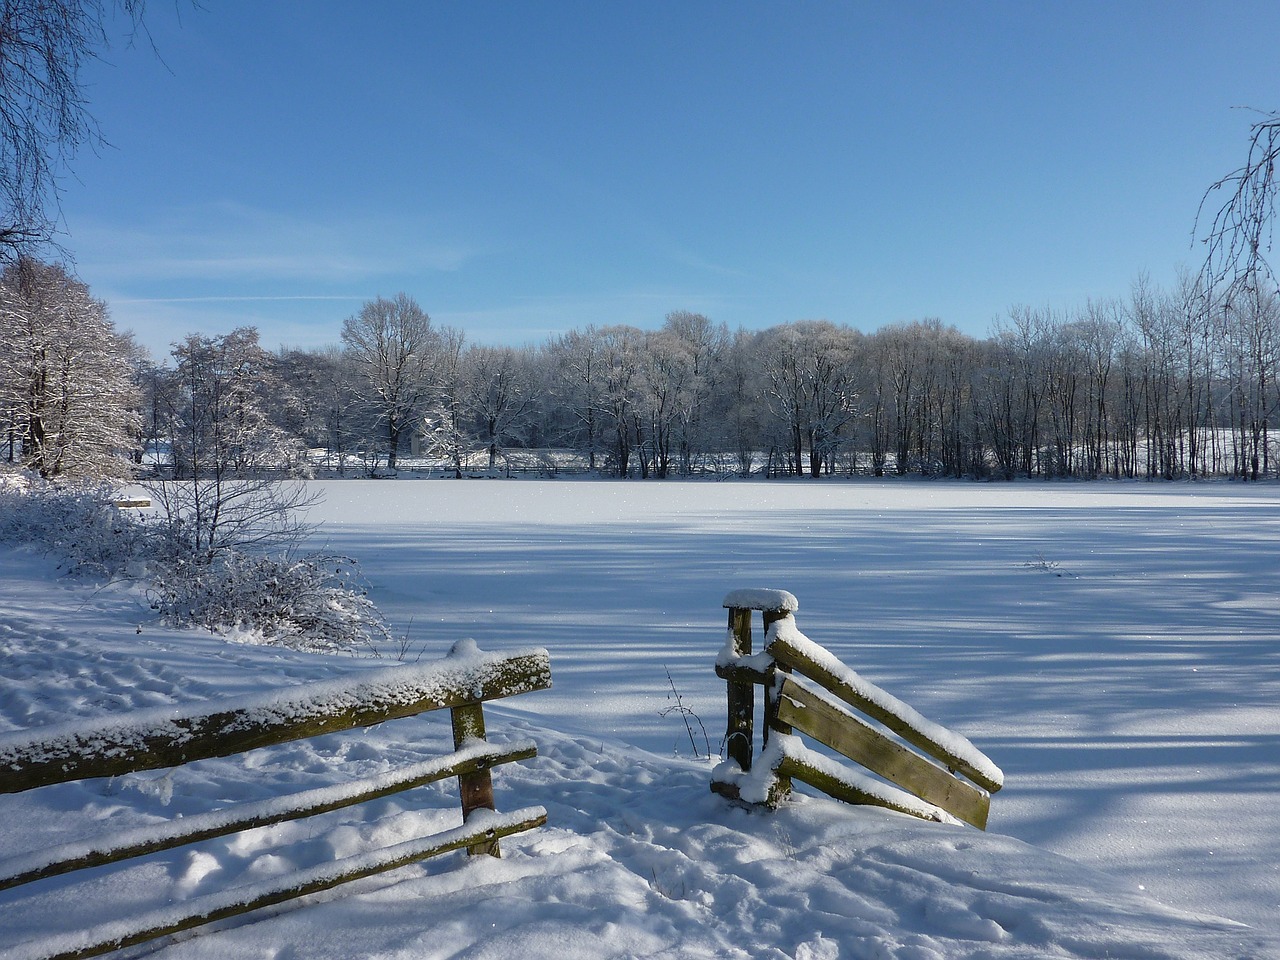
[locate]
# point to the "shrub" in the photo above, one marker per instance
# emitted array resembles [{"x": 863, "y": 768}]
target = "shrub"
[
  {"x": 79, "y": 524},
  {"x": 313, "y": 602}
]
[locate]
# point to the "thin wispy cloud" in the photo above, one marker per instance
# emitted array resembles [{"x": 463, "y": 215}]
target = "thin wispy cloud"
[
  {"x": 230, "y": 241},
  {"x": 240, "y": 299}
]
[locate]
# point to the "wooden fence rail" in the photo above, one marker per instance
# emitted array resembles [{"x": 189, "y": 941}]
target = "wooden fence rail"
[
  {"x": 807, "y": 691},
  {"x": 151, "y": 739}
]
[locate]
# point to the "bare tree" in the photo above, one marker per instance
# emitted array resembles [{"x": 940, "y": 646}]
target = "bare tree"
[
  {"x": 1251, "y": 340},
  {"x": 44, "y": 116},
  {"x": 1239, "y": 235},
  {"x": 393, "y": 346}
]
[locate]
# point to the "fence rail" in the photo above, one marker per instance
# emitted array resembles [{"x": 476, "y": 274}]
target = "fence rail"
[{"x": 151, "y": 739}]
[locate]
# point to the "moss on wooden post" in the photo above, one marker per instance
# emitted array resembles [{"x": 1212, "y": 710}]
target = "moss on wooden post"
[
  {"x": 739, "y": 737},
  {"x": 474, "y": 789}
]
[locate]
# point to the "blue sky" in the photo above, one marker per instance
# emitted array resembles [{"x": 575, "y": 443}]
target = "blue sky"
[{"x": 526, "y": 168}]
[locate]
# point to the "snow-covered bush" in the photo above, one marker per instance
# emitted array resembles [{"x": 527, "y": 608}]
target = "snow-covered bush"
[
  {"x": 314, "y": 602},
  {"x": 78, "y": 523}
]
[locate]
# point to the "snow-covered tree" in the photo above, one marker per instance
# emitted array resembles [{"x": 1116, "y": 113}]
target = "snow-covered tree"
[
  {"x": 499, "y": 395},
  {"x": 394, "y": 348},
  {"x": 322, "y": 404},
  {"x": 574, "y": 381},
  {"x": 701, "y": 346},
  {"x": 67, "y": 388},
  {"x": 618, "y": 403},
  {"x": 229, "y": 460},
  {"x": 808, "y": 368}
]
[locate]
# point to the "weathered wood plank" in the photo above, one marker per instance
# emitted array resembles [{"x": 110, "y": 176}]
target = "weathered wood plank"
[
  {"x": 242, "y": 900},
  {"x": 841, "y": 789},
  {"x": 842, "y": 731},
  {"x": 738, "y": 673},
  {"x": 149, "y": 740},
  {"x": 739, "y": 735},
  {"x": 247, "y": 816},
  {"x": 786, "y": 653}
]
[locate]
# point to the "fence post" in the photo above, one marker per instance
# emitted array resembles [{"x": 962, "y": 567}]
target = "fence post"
[
  {"x": 739, "y": 741},
  {"x": 475, "y": 790},
  {"x": 772, "y": 687}
]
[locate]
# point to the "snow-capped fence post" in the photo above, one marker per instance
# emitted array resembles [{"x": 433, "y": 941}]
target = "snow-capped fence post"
[
  {"x": 803, "y": 705},
  {"x": 152, "y": 739}
]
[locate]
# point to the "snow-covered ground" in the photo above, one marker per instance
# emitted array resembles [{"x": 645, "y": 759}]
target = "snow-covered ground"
[{"x": 1114, "y": 648}]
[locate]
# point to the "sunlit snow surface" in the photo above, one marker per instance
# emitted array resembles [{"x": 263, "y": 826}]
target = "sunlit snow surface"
[{"x": 1115, "y": 649}]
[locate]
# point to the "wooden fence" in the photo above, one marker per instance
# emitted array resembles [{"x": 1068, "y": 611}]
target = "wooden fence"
[
  {"x": 153, "y": 739},
  {"x": 807, "y": 691}
]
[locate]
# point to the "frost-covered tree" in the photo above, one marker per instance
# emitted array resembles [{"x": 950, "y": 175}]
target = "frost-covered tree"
[
  {"x": 322, "y": 403},
  {"x": 574, "y": 381},
  {"x": 394, "y": 348},
  {"x": 66, "y": 377},
  {"x": 221, "y": 391},
  {"x": 808, "y": 369},
  {"x": 499, "y": 395},
  {"x": 702, "y": 346},
  {"x": 618, "y": 400},
  {"x": 227, "y": 483},
  {"x": 739, "y": 401},
  {"x": 663, "y": 371},
  {"x": 444, "y": 424}
]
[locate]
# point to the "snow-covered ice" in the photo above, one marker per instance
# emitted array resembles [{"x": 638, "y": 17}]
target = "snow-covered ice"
[{"x": 1127, "y": 689}]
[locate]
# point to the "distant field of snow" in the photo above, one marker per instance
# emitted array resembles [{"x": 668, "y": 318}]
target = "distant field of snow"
[{"x": 1115, "y": 648}]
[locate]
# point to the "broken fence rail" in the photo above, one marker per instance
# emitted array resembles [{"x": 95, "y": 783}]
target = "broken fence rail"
[{"x": 807, "y": 691}]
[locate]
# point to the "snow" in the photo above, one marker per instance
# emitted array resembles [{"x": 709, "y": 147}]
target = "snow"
[
  {"x": 761, "y": 599},
  {"x": 1128, "y": 693}
]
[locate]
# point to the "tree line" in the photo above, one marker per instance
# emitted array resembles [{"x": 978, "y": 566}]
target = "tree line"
[{"x": 1162, "y": 384}]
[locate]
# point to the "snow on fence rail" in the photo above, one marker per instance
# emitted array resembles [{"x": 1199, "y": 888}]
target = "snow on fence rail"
[
  {"x": 799, "y": 678},
  {"x": 150, "y": 739}
]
